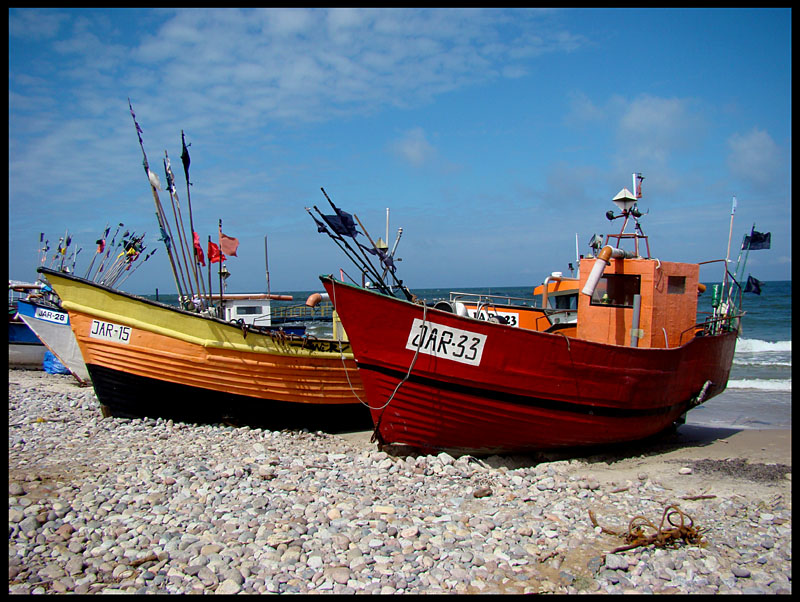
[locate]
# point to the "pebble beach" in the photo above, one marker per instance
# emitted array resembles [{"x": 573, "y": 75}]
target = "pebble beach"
[{"x": 102, "y": 505}]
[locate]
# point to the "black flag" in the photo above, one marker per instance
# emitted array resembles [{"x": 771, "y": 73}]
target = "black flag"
[
  {"x": 753, "y": 285},
  {"x": 185, "y": 156},
  {"x": 342, "y": 223},
  {"x": 757, "y": 241}
]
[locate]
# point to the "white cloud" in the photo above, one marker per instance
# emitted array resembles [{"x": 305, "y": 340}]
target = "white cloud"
[
  {"x": 754, "y": 157},
  {"x": 326, "y": 63},
  {"x": 34, "y": 24},
  {"x": 414, "y": 147},
  {"x": 651, "y": 128},
  {"x": 583, "y": 110}
]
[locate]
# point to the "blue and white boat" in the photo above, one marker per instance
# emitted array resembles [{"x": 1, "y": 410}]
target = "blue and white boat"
[
  {"x": 25, "y": 350},
  {"x": 51, "y": 325}
]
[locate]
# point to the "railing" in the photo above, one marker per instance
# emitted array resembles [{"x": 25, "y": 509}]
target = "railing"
[
  {"x": 486, "y": 298},
  {"x": 301, "y": 313}
]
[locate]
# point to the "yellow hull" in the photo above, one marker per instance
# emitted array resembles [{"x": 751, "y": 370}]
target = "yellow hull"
[{"x": 128, "y": 341}]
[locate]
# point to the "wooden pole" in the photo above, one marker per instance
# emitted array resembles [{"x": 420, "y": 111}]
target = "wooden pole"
[
  {"x": 159, "y": 209},
  {"x": 266, "y": 263}
]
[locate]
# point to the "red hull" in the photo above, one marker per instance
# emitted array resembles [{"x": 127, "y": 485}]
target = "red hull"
[{"x": 507, "y": 389}]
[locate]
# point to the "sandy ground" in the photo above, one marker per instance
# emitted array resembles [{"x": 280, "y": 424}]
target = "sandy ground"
[{"x": 722, "y": 461}]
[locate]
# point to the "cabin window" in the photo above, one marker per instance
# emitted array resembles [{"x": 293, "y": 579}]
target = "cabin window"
[
  {"x": 248, "y": 310},
  {"x": 563, "y": 301},
  {"x": 676, "y": 285},
  {"x": 616, "y": 290}
]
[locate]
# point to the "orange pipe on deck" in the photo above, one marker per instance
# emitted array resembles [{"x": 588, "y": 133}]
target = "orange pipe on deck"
[
  {"x": 604, "y": 259},
  {"x": 316, "y": 298}
]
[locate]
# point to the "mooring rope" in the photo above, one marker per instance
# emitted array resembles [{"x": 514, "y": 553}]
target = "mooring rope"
[
  {"x": 662, "y": 536},
  {"x": 347, "y": 375}
]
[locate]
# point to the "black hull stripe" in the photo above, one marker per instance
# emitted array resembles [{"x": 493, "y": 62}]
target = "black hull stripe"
[
  {"x": 525, "y": 400},
  {"x": 131, "y": 396}
]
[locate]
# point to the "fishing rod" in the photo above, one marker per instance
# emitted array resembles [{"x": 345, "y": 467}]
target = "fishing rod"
[
  {"x": 374, "y": 246},
  {"x": 364, "y": 266},
  {"x": 394, "y": 248},
  {"x": 101, "y": 244},
  {"x": 266, "y": 263},
  {"x": 153, "y": 179},
  {"x": 130, "y": 272},
  {"x": 132, "y": 251},
  {"x": 321, "y": 227},
  {"x": 382, "y": 255},
  {"x": 112, "y": 251},
  {"x": 55, "y": 256},
  {"x": 198, "y": 276},
  {"x": 740, "y": 266},
  {"x": 223, "y": 270},
  {"x": 60, "y": 252},
  {"x": 173, "y": 196},
  {"x": 219, "y": 242},
  {"x": 351, "y": 226},
  {"x": 108, "y": 248},
  {"x": 343, "y": 225},
  {"x": 210, "y": 281},
  {"x": 75, "y": 259},
  {"x": 197, "y": 250},
  {"x": 64, "y": 251},
  {"x": 44, "y": 248},
  {"x": 119, "y": 260},
  {"x": 57, "y": 253},
  {"x": 336, "y": 239},
  {"x": 174, "y": 260}
]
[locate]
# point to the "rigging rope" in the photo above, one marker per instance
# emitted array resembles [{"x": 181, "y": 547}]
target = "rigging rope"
[{"x": 405, "y": 378}]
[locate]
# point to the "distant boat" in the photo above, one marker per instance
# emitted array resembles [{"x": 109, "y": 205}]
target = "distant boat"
[
  {"x": 146, "y": 358},
  {"x": 558, "y": 309},
  {"x": 25, "y": 350},
  {"x": 628, "y": 361},
  {"x": 39, "y": 308}
]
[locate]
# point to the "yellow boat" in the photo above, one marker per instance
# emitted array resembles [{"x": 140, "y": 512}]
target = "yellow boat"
[{"x": 147, "y": 358}]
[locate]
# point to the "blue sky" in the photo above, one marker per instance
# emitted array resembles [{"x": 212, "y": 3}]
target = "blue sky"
[{"x": 493, "y": 136}]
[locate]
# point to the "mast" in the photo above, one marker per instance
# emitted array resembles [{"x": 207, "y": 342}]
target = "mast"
[{"x": 266, "y": 263}]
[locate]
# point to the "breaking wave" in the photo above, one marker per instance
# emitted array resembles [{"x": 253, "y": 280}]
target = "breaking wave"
[{"x": 761, "y": 384}]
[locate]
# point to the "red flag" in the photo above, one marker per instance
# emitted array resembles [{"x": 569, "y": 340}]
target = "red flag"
[
  {"x": 214, "y": 254},
  {"x": 228, "y": 244},
  {"x": 198, "y": 250}
]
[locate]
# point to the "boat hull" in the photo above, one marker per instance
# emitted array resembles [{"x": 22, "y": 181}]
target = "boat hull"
[
  {"x": 513, "y": 390},
  {"x": 52, "y": 327},
  {"x": 149, "y": 359},
  {"x": 26, "y": 356},
  {"x": 135, "y": 396},
  {"x": 25, "y": 350}
]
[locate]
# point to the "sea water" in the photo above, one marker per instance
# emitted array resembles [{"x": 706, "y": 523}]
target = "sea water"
[{"x": 759, "y": 390}]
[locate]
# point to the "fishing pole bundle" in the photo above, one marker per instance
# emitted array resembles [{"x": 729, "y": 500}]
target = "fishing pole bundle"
[
  {"x": 374, "y": 262},
  {"x": 124, "y": 253},
  {"x": 188, "y": 278}
]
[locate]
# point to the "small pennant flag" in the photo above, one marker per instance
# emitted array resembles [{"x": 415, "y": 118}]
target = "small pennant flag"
[
  {"x": 214, "y": 254},
  {"x": 228, "y": 244},
  {"x": 198, "y": 250}
]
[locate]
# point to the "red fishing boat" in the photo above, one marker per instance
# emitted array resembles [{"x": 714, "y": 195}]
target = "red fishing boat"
[{"x": 632, "y": 362}]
